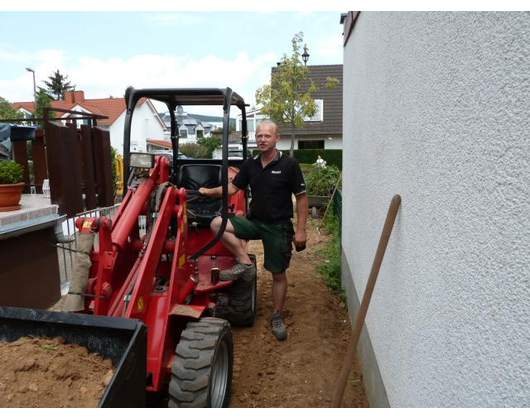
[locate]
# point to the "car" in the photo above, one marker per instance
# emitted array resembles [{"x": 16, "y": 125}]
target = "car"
[
  {"x": 238, "y": 154},
  {"x": 169, "y": 155}
]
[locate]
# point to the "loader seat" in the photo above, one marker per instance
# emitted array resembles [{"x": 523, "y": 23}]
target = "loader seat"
[{"x": 201, "y": 210}]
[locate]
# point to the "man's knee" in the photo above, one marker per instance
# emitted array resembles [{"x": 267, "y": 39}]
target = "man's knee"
[
  {"x": 215, "y": 225},
  {"x": 279, "y": 277}
]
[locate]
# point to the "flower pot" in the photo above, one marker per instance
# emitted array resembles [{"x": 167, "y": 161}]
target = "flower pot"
[{"x": 10, "y": 195}]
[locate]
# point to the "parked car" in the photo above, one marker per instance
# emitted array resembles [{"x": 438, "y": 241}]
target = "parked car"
[{"x": 169, "y": 155}]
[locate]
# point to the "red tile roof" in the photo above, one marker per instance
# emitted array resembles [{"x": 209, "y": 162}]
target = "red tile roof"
[
  {"x": 111, "y": 107},
  {"x": 162, "y": 143}
]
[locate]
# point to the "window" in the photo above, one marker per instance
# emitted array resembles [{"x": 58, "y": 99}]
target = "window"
[
  {"x": 200, "y": 134},
  {"x": 183, "y": 134},
  {"x": 319, "y": 114},
  {"x": 311, "y": 144}
]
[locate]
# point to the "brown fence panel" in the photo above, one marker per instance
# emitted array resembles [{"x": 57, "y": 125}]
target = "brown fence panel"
[
  {"x": 103, "y": 166},
  {"x": 64, "y": 162},
  {"x": 40, "y": 169},
  {"x": 20, "y": 152},
  {"x": 87, "y": 158}
]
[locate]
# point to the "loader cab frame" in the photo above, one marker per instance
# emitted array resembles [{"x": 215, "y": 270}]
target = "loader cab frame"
[{"x": 173, "y": 98}]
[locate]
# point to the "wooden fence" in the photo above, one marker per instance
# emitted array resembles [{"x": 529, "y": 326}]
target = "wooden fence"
[{"x": 77, "y": 163}]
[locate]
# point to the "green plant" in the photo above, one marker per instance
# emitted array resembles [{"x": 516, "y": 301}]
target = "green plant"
[
  {"x": 330, "y": 269},
  {"x": 209, "y": 144},
  {"x": 194, "y": 150},
  {"x": 322, "y": 181},
  {"x": 11, "y": 172}
]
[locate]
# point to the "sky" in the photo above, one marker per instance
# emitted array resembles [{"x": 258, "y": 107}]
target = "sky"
[{"x": 104, "y": 52}]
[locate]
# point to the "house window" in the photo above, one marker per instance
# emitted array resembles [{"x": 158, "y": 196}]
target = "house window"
[
  {"x": 311, "y": 144},
  {"x": 183, "y": 134},
  {"x": 200, "y": 134},
  {"x": 319, "y": 114}
]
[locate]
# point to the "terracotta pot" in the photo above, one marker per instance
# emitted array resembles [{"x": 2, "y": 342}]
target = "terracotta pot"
[{"x": 10, "y": 195}]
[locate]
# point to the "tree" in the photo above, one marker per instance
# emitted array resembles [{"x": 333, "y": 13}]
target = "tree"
[
  {"x": 43, "y": 101},
  {"x": 210, "y": 144},
  {"x": 57, "y": 85},
  {"x": 7, "y": 110},
  {"x": 284, "y": 99}
]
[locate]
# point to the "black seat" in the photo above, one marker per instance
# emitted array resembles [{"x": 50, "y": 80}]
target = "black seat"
[{"x": 192, "y": 177}]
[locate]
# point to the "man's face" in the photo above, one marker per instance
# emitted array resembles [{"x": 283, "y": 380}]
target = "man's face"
[{"x": 266, "y": 137}]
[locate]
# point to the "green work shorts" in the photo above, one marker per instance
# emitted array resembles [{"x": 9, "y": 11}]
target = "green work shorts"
[{"x": 277, "y": 240}]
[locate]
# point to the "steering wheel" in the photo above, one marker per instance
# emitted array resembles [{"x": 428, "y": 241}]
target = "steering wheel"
[{"x": 195, "y": 195}]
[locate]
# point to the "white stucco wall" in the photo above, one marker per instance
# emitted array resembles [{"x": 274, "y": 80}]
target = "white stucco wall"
[
  {"x": 437, "y": 109},
  {"x": 144, "y": 126}
]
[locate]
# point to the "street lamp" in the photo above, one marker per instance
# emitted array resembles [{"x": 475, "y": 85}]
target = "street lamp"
[
  {"x": 34, "y": 86},
  {"x": 305, "y": 55}
]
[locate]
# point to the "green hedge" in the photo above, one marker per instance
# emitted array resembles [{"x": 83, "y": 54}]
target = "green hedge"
[{"x": 331, "y": 156}]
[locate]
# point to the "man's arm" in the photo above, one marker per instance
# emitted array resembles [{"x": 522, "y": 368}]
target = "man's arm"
[
  {"x": 218, "y": 191},
  {"x": 302, "y": 209}
]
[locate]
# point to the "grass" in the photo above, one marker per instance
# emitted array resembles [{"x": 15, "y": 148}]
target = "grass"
[{"x": 330, "y": 269}]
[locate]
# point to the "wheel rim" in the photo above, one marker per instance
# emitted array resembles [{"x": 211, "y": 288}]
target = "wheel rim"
[{"x": 219, "y": 379}]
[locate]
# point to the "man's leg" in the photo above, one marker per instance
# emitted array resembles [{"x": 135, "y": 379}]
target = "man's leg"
[
  {"x": 279, "y": 293},
  {"x": 279, "y": 290},
  {"x": 230, "y": 240}
]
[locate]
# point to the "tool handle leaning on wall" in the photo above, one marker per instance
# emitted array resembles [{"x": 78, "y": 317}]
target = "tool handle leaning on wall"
[{"x": 356, "y": 332}]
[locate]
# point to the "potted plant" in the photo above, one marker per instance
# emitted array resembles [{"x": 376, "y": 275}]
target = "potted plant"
[{"x": 11, "y": 185}]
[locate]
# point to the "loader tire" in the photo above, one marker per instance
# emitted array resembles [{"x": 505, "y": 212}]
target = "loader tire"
[
  {"x": 240, "y": 308},
  {"x": 201, "y": 374}
]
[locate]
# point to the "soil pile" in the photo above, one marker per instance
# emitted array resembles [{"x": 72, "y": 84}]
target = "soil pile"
[{"x": 47, "y": 372}]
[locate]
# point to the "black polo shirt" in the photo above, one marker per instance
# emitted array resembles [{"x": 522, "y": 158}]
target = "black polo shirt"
[{"x": 272, "y": 187}]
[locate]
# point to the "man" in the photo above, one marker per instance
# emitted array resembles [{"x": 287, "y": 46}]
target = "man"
[
  {"x": 320, "y": 162},
  {"x": 273, "y": 178}
]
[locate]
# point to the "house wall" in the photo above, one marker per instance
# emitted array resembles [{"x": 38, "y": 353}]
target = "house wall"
[
  {"x": 144, "y": 126},
  {"x": 437, "y": 109},
  {"x": 285, "y": 143}
]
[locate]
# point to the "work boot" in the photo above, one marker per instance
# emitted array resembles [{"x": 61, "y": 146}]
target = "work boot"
[
  {"x": 240, "y": 270},
  {"x": 278, "y": 327}
]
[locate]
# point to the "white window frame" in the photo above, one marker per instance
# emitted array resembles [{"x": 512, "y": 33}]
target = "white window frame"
[{"x": 319, "y": 114}]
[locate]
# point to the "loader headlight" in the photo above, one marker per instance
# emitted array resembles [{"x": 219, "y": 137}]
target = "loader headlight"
[{"x": 142, "y": 160}]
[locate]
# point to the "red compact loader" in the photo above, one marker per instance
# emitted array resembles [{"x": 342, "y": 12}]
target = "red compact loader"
[{"x": 167, "y": 275}]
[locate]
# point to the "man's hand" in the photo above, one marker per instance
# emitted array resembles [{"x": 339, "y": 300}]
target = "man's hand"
[
  {"x": 204, "y": 191},
  {"x": 300, "y": 239}
]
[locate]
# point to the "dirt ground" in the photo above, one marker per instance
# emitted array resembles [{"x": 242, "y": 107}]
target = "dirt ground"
[
  {"x": 43, "y": 372},
  {"x": 301, "y": 371}
]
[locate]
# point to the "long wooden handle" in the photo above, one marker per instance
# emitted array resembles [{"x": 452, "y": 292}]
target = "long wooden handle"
[{"x": 356, "y": 332}]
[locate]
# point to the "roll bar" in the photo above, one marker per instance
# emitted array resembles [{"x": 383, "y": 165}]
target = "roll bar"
[{"x": 173, "y": 98}]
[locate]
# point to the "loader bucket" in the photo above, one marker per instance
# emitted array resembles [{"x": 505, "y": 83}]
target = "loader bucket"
[{"x": 122, "y": 340}]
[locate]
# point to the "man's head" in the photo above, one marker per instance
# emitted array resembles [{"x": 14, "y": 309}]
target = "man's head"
[{"x": 267, "y": 135}]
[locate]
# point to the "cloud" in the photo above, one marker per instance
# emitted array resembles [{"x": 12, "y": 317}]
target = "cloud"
[
  {"x": 100, "y": 78},
  {"x": 330, "y": 48},
  {"x": 44, "y": 63}
]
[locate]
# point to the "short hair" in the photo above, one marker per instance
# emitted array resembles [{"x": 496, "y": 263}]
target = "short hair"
[{"x": 269, "y": 122}]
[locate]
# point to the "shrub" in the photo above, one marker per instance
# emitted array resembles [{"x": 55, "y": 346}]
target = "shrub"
[
  {"x": 11, "y": 172},
  {"x": 322, "y": 181},
  {"x": 194, "y": 150}
]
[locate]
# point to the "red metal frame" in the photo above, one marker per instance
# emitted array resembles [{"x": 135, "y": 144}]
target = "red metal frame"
[{"x": 125, "y": 267}]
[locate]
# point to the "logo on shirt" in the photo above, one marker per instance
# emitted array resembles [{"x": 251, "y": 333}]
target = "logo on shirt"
[{"x": 276, "y": 172}]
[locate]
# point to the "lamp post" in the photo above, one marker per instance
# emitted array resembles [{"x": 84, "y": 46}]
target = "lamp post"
[
  {"x": 305, "y": 55},
  {"x": 34, "y": 86}
]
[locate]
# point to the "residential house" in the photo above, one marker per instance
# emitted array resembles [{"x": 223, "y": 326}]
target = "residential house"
[
  {"x": 321, "y": 131},
  {"x": 436, "y": 109},
  {"x": 191, "y": 127},
  {"x": 146, "y": 124}
]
